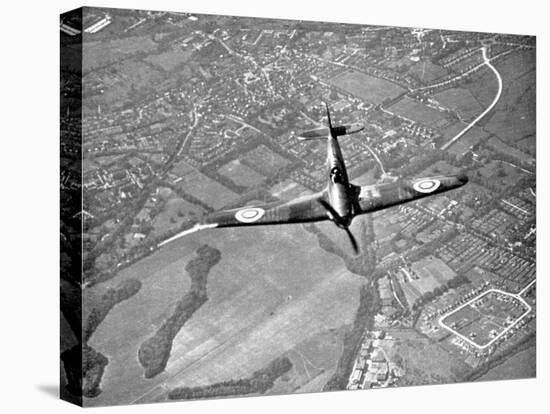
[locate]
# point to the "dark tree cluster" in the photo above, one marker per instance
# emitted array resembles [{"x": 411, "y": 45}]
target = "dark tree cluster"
[
  {"x": 369, "y": 305},
  {"x": 154, "y": 353},
  {"x": 260, "y": 381},
  {"x": 110, "y": 298}
]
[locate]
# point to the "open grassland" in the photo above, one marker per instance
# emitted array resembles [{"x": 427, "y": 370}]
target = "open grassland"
[
  {"x": 314, "y": 360},
  {"x": 461, "y": 101},
  {"x": 515, "y": 118},
  {"x": 427, "y": 72},
  {"x": 169, "y": 60},
  {"x": 102, "y": 53},
  {"x": 240, "y": 174},
  {"x": 423, "y": 360},
  {"x": 202, "y": 187},
  {"x": 264, "y": 298},
  {"x": 155, "y": 351},
  {"x": 467, "y": 141},
  {"x": 260, "y": 381},
  {"x": 471, "y": 138},
  {"x": 483, "y": 86},
  {"x": 502, "y": 148},
  {"x": 264, "y": 160},
  {"x": 366, "y": 87},
  {"x": 521, "y": 365},
  {"x": 515, "y": 65},
  {"x": 423, "y": 277},
  {"x": 175, "y": 211},
  {"x": 439, "y": 168},
  {"x": 288, "y": 190},
  {"x": 121, "y": 81},
  {"x": 417, "y": 111}
]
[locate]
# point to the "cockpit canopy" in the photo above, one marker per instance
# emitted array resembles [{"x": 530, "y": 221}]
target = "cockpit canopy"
[{"x": 336, "y": 176}]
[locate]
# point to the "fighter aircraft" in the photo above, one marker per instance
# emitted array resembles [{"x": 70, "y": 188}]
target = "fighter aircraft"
[{"x": 339, "y": 202}]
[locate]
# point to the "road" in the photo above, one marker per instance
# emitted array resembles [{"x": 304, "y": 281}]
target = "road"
[
  {"x": 486, "y": 111},
  {"x": 243, "y": 123},
  {"x": 195, "y": 123},
  {"x": 377, "y": 160},
  {"x": 504, "y": 331},
  {"x": 464, "y": 74}
]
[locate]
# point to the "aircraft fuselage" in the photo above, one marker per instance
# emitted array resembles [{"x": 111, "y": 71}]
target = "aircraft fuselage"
[{"x": 338, "y": 182}]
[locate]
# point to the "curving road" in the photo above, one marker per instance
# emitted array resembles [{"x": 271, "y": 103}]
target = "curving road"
[
  {"x": 486, "y": 111},
  {"x": 517, "y": 296}
]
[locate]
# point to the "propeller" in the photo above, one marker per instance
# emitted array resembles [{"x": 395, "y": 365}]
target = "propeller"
[
  {"x": 340, "y": 222},
  {"x": 352, "y": 240}
]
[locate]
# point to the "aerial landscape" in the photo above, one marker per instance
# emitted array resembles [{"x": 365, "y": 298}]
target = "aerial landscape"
[{"x": 174, "y": 117}]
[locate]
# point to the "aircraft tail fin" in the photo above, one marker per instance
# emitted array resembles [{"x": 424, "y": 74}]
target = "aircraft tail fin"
[{"x": 328, "y": 117}]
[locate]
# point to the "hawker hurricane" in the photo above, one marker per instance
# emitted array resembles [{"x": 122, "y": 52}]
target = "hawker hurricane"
[{"x": 340, "y": 201}]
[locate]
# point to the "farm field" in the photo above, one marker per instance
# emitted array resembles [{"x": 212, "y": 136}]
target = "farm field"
[
  {"x": 516, "y": 65},
  {"x": 367, "y": 87},
  {"x": 170, "y": 59},
  {"x": 202, "y": 187},
  {"x": 264, "y": 160},
  {"x": 472, "y": 137},
  {"x": 100, "y": 54},
  {"x": 461, "y": 101},
  {"x": 427, "y": 72},
  {"x": 501, "y": 147},
  {"x": 439, "y": 168},
  {"x": 515, "y": 118},
  {"x": 313, "y": 361},
  {"x": 468, "y": 140},
  {"x": 249, "y": 303},
  {"x": 417, "y": 111},
  {"x": 288, "y": 190},
  {"x": 424, "y": 276},
  {"x": 240, "y": 174},
  {"x": 122, "y": 80},
  {"x": 434, "y": 268},
  {"x": 483, "y": 86}
]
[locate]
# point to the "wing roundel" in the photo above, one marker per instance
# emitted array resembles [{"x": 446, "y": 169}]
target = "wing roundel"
[{"x": 302, "y": 210}]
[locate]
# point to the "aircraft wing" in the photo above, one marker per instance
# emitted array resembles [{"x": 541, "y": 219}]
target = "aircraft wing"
[
  {"x": 301, "y": 210},
  {"x": 381, "y": 196}
]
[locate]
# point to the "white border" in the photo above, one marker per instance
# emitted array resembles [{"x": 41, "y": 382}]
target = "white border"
[{"x": 30, "y": 197}]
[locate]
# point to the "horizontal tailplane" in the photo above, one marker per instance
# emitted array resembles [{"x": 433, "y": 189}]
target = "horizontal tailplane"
[
  {"x": 313, "y": 134},
  {"x": 324, "y": 132}
]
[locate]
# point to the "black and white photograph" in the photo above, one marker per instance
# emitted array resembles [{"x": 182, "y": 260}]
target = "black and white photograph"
[{"x": 283, "y": 206}]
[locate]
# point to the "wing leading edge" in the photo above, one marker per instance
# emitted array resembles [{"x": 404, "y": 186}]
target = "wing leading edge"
[{"x": 301, "y": 210}]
